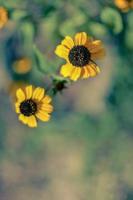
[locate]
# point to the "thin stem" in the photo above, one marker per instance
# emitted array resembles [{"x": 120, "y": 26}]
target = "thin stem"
[{"x": 93, "y": 62}]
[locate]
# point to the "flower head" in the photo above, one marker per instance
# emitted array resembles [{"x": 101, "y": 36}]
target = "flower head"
[
  {"x": 22, "y": 66},
  {"x": 59, "y": 85},
  {"x": 124, "y": 5},
  {"x": 32, "y": 103},
  {"x": 80, "y": 54},
  {"x": 3, "y": 17}
]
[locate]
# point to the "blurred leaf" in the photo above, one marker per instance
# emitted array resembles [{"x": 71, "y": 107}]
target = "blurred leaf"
[
  {"x": 129, "y": 39},
  {"x": 112, "y": 18},
  {"x": 50, "y": 24},
  {"x": 27, "y": 32},
  {"x": 8, "y": 4},
  {"x": 47, "y": 10},
  {"x": 41, "y": 61},
  {"x": 98, "y": 29},
  {"x": 18, "y": 14},
  {"x": 130, "y": 20},
  {"x": 79, "y": 18},
  {"x": 67, "y": 28}
]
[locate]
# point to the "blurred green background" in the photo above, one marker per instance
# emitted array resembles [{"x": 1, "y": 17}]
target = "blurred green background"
[{"x": 86, "y": 151}]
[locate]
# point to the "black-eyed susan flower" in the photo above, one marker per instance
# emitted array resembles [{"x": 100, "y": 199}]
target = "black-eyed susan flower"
[
  {"x": 80, "y": 54},
  {"x": 33, "y": 104},
  {"x": 3, "y": 17},
  {"x": 22, "y": 66},
  {"x": 124, "y": 5}
]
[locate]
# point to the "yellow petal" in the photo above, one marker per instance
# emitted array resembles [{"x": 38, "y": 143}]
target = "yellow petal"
[
  {"x": 28, "y": 91},
  {"x": 68, "y": 42},
  {"x": 3, "y": 16},
  {"x": 122, "y": 4},
  {"x": 38, "y": 93},
  {"x": 88, "y": 41},
  {"x": 92, "y": 70},
  {"x": 95, "y": 46},
  {"x": 98, "y": 55},
  {"x": 20, "y": 95},
  {"x": 95, "y": 68},
  {"x": 32, "y": 121},
  {"x": 23, "y": 118},
  {"x": 62, "y": 51},
  {"x": 66, "y": 70},
  {"x": 80, "y": 38},
  {"x": 47, "y": 108},
  {"x": 17, "y": 107},
  {"x": 75, "y": 73},
  {"x": 84, "y": 73},
  {"x": 98, "y": 69},
  {"x": 46, "y": 99},
  {"x": 43, "y": 116}
]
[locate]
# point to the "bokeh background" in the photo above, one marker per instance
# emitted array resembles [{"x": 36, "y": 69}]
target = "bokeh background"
[{"x": 85, "y": 152}]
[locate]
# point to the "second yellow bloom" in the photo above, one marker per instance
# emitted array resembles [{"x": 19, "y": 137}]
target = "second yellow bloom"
[{"x": 80, "y": 54}]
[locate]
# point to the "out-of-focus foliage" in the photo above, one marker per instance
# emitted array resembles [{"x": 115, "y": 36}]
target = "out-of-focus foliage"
[
  {"x": 85, "y": 151},
  {"x": 112, "y": 18}
]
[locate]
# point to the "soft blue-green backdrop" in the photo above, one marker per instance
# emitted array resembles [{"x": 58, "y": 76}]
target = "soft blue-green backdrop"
[{"x": 86, "y": 151}]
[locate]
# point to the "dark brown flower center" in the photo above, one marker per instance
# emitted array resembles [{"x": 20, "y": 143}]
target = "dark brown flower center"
[
  {"x": 28, "y": 107},
  {"x": 79, "y": 56}
]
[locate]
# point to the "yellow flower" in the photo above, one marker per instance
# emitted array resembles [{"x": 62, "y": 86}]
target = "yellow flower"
[
  {"x": 3, "y": 17},
  {"x": 22, "y": 66},
  {"x": 80, "y": 54},
  {"x": 32, "y": 103},
  {"x": 124, "y": 5}
]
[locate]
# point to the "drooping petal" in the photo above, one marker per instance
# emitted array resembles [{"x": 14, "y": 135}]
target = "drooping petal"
[
  {"x": 84, "y": 73},
  {"x": 75, "y": 73},
  {"x": 32, "y": 121},
  {"x": 98, "y": 55},
  {"x": 62, "y": 51},
  {"x": 66, "y": 70},
  {"x": 29, "y": 92},
  {"x": 80, "y": 38},
  {"x": 68, "y": 42},
  {"x": 20, "y": 95},
  {"x": 88, "y": 41},
  {"x": 98, "y": 69},
  {"x": 43, "y": 116},
  {"x": 92, "y": 70},
  {"x": 38, "y": 94},
  {"x": 95, "y": 68},
  {"x": 95, "y": 46}
]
